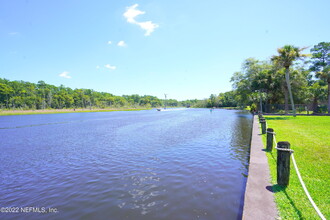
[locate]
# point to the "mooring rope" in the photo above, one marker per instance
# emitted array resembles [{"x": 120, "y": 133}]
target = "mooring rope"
[
  {"x": 284, "y": 149},
  {"x": 275, "y": 139},
  {"x": 301, "y": 180},
  {"x": 271, "y": 132},
  {"x": 306, "y": 191}
]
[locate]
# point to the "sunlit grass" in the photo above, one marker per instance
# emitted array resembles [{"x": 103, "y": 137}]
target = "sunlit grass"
[{"x": 309, "y": 137}]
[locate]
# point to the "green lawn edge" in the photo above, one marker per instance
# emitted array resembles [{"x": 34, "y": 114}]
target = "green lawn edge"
[{"x": 309, "y": 137}]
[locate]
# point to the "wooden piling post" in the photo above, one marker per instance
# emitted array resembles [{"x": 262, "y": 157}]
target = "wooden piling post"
[
  {"x": 270, "y": 139},
  {"x": 283, "y": 163},
  {"x": 263, "y": 126}
]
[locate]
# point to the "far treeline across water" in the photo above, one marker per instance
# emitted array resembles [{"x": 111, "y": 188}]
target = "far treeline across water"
[
  {"x": 26, "y": 95},
  {"x": 292, "y": 76}
]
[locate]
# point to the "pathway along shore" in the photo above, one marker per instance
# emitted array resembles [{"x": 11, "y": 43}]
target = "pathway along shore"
[{"x": 259, "y": 199}]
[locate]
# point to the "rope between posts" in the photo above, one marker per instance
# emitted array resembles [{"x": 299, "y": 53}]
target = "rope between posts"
[
  {"x": 271, "y": 132},
  {"x": 306, "y": 191},
  {"x": 284, "y": 149},
  {"x": 275, "y": 139},
  {"x": 300, "y": 179}
]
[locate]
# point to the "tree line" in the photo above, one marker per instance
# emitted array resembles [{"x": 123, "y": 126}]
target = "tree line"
[
  {"x": 27, "y": 95},
  {"x": 287, "y": 78}
]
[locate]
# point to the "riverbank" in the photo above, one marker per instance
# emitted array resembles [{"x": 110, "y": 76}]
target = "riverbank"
[
  {"x": 258, "y": 201},
  {"x": 58, "y": 111},
  {"x": 310, "y": 139}
]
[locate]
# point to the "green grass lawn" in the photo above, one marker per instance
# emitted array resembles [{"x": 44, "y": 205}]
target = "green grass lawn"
[{"x": 309, "y": 137}]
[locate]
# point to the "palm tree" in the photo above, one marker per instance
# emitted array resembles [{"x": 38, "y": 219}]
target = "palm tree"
[{"x": 287, "y": 55}]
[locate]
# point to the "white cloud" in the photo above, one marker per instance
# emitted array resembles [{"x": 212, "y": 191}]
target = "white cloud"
[
  {"x": 122, "y": 43},
  {"x": 132, "y": 12},
  {"x": 97, "y": 67},
  {"x": 65, "y": 74},
  {"x": 109, "y": 42},
  {"x": 110, "y": 67},
  {"x": 148, "y": 26}
]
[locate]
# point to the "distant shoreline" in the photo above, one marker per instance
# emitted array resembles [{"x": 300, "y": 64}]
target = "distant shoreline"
[{"x": 58, "y": 111}]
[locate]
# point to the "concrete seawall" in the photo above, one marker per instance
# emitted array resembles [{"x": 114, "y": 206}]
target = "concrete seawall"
[{"x": 259, "y": 200}]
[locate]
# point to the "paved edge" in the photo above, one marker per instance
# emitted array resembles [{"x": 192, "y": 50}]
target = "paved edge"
[{"x": 258, "y": 200}]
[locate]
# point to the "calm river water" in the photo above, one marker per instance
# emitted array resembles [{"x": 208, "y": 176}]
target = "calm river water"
[{"x": 188, "y": 164}]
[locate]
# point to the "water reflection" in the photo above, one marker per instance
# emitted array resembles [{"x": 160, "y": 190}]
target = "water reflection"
[{"x": 240, "y": 142}]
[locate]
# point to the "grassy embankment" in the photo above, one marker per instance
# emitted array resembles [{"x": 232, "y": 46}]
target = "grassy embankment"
[
  {"x": 56, "y": 111},
  {"x": 309, "y": 137}
]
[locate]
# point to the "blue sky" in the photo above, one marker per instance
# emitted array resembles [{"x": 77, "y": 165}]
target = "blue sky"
[{"x": 187, "y": 49}]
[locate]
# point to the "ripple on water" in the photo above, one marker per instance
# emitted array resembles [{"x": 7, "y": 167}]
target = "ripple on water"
[{"x": 127, "y": 165}]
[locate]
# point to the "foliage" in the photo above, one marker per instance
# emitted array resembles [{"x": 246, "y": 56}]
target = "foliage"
[
  {"x": 226, "y": 99},
  {"x": 320, "y": 57},
  {"x": 321, "y": 64},
  {"x": 287, "y": 55},
  {"x": 270, "y": 82},
  {"x": 253, "y": 108},
  {"x": 25, "y": 95}
]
